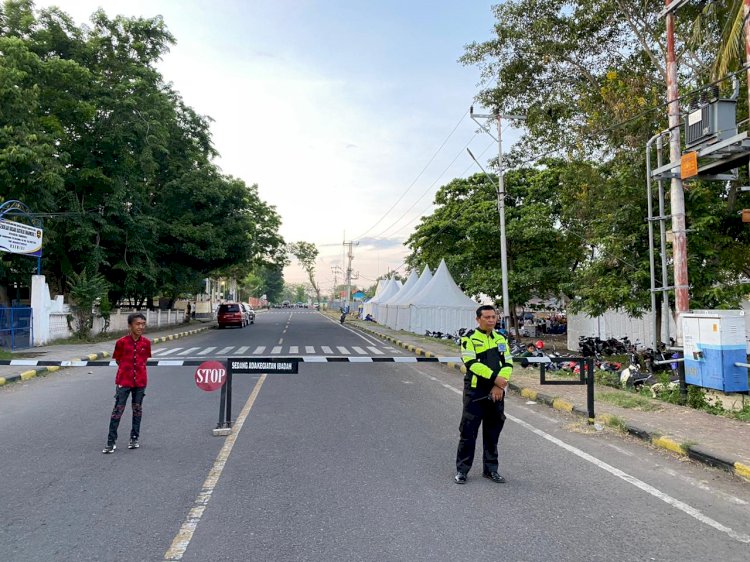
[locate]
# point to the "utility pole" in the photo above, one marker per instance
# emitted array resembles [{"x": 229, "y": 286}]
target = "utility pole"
[
  {"x": 350, "y": 257},
  {"x": 500, "y": 203},
  {"x": 677, "y": 195},
  {"x": 335, "y": 270}
]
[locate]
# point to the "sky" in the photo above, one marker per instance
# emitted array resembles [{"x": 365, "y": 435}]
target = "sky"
[{"x": 347, "y": 114}]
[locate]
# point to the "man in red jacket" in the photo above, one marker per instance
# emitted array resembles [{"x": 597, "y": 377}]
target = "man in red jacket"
[{"x": 131, "y": 353}]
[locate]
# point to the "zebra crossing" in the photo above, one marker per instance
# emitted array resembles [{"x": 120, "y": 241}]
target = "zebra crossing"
[{"x": 354, "y": 350}]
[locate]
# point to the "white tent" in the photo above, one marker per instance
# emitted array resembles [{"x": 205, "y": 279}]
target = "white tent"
[
  {"x": 442, "y": 306},
  {"x": 388, "y": 309},
  {"x": 367, "y": 307},
  {"x": 403, "y": 312},
  {"x": 392, "y": 288}
]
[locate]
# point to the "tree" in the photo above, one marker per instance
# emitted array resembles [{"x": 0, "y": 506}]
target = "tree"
[{"x": 306, "y": 254}]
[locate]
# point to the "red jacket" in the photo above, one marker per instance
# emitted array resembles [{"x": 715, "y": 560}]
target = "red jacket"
[{"x": 131, "y": 356}]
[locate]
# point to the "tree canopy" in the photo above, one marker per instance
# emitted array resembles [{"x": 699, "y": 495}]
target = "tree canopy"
[{"x": 92, "y": 137}]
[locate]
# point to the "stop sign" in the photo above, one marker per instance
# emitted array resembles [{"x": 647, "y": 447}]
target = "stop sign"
[{"x": 210, "y": 376}]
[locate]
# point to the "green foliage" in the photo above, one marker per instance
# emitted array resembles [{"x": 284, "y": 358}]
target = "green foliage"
[
  {"x": 90, "y": 131},
  {"x": 86, "y": 291},
  {"x": 306, "y": 254}
]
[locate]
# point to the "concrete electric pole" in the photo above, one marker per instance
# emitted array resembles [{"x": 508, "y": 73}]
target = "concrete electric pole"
[
  {"x": 500, "y": 204},
  {"x": 350, "y": 257}
]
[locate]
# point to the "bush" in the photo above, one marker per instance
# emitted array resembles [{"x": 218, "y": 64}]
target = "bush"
[{"x": 85, "y": 292}]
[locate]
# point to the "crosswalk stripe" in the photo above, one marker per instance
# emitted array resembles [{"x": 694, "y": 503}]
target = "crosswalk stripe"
[
  {"x": 374, "y": 350},
  {"x": 170, "y": 351},
  {"x": 293, "y": 349},
  {"x": 342, "y": 350},
  {"x": 189, "y": 350},
  {"x": 359, "y": 350},
  {"x": 207, "y": 351},
  {"x": 242, "y": 350},
  {"x": 225, "y": 350},
  {"x": 158, "y": 352},
  {"x": 309, "y": 349},
  {"x": 260, "y": 349},
  {"x": 276, "y": 350},
  {"x": 326, "y": 349}
]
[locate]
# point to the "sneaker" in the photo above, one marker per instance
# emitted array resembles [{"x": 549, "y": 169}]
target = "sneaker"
[
  {"x": 133, "y": 444},
  {"x": 460, "y": 478},
  {"x": 109, "y": 449}
]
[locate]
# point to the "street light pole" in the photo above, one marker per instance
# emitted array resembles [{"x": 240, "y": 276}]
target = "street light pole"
[{"x": 500, "y": 205}]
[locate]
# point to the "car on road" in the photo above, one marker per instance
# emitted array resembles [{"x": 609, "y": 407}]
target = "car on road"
[
  {"x": 249, "y": 313},
  {"x": 231, "y": 314}
]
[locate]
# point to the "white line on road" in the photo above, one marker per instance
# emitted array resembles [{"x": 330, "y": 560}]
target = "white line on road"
[
  {"x": 225, "y": 350},
  {"x": 359, "y": 350},
  {"x": 327, "y": 350},
  {"x": 276, "y": 350},
  {"x": 260, "y": 349},
  {"x": 185, "y": 534},
  {"x": 342, "y": 350},
  {"x": 281, "y": 340},
  {"x": 207, "y": 351},
  {"x": 189, "y": 350},
  {"x": 640, "y": 484},
  {"x": 309, "y": 349},
  {"x": 242, "y": 350},
  {"x": 375, "y": 350},
  {"x": 169, "y": 351},
  {"x": 293, "y": 350}
]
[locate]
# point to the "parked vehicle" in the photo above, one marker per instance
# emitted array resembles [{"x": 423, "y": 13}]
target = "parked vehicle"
[
  {"x": 231, "y": 314},
  {"x": 249, "y": 314}
]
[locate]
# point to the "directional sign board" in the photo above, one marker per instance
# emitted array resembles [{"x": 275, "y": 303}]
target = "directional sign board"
[
  {"x": 210, "y": 375},
  {"x": 257, "y": 366}
]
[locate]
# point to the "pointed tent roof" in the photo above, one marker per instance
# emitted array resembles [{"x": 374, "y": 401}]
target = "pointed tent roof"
[
  {"x": 406, "y": 296},
  {"x": 378, "y": 298},
  {"x": 380, "y": 287},
  {"x": 390, "y": 289},
  {"x": 410, "y": 282},
  {"x": 443, "y": 291}
]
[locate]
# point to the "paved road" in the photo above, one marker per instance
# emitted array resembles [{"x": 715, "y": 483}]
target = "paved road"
[{"x": 341, "y": 462}]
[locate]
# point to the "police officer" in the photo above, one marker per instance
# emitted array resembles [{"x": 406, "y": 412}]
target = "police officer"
[{"x": 486, "y": 355}]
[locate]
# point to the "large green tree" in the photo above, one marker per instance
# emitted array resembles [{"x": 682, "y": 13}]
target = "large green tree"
[{"x": 92, "y": 136}]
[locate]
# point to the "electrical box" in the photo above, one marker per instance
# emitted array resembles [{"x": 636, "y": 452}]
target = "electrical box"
[
  {"x": 711, "y": 122},
  {"x": 714, "y": 341}
]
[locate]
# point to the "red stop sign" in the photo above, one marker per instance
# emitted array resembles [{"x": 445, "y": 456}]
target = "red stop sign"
[{"x": 210, "y": 375}]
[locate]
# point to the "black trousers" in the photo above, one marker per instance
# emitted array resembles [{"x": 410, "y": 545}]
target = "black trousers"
[
  {"x": 121, "y": 399},
  {"x": 479, "y": 410}
]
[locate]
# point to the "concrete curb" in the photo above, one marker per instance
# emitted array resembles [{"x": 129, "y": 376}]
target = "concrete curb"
[
  {"x": 31, "y": 373},
  {"x": 695, "y": 452}
]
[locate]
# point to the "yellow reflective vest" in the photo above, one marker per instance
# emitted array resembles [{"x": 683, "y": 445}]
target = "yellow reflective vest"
[{"x": 486, "y": 356}]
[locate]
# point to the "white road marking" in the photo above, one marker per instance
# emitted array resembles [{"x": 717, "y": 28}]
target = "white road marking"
[
  {"x": 260, "y": 349},
  {"x": 326, "y": 349},
  {"x": 242, "y": 350},
  {"x": 170, "y": 351},
  {"x": 640, "y": 484},
  {"x": 375, "y": 350},
  {"x": 293, "y": 350},
  {"x": 276, "y": 350},
  {"x": 359, "y": 350},
  {"x": 207, "y": 351},
  {"x": 281, "y": 340},
  {"x": 225, "y": 350},
  {"x": 158, "y": 352},
  {"x": 309, "y": 349},
  {"x": 185, "y": 534},
  {"x": 342, "y": 350},
  {"x": 189, "y": 350}
]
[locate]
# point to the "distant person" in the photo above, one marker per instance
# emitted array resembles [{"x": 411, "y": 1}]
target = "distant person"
[
  {"x": 131, "y": 353},
  {"x": 189, "y": 310},
  {"x": 489, "y": 363}
]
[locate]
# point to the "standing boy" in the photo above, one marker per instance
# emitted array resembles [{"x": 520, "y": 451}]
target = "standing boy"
[{"x": 131, "y": 353}]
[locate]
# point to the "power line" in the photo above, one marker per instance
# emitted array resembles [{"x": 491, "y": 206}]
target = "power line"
[{"x": 416, "y": 178}]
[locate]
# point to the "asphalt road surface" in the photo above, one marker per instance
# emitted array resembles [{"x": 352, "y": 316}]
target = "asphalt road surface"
[{"x": 344, "y": 461}]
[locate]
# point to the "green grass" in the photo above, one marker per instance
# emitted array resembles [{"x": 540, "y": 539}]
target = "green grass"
[
  {"x": 632, "y": 401},
  {"x": 7, "y": 355},
  {"x": 617, "y": 422}
]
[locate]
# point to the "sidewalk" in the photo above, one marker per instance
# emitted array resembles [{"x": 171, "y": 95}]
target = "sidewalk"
[
  {"x": 88, "y": 351},
  {"x": 714, "y": 440}
]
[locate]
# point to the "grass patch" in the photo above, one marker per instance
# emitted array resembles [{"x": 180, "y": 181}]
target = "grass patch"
[
  {"x": 632, "y": 401},
  {"x": 617, "y": 423},
  {"x": 7, "y": 355}
]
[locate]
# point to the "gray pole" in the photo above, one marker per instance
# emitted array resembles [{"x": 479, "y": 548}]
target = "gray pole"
[
  {"x": 651, "y": 257},
  {"x": 501, "y": 211},
  {"x": 663, "y": 241}
]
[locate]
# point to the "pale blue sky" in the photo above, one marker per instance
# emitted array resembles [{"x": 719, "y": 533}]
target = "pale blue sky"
[{"x": 332, "y": 107}]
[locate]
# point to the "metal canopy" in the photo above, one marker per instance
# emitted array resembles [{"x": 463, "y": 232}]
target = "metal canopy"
[{"x": 720, "y": 160}]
